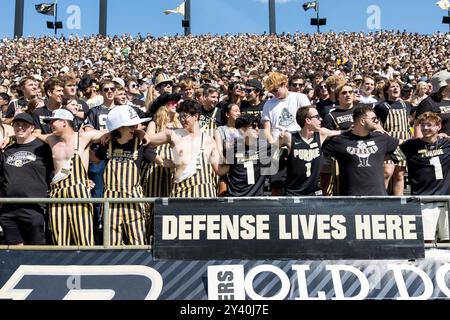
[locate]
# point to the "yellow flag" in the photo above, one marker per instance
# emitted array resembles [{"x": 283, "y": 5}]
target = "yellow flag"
[
  {"x": 443, "y": 4},
  {"x": 179, "y": 9}
]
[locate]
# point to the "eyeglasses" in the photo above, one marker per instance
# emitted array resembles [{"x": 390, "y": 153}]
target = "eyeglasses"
[
  {"x": 373, "y": 119},
  {"x": 317, "y": 116},
  {"x": 184, "y": 116},
  {"x": 297, "y": 84},
  {"x": 107, "y": 89}
]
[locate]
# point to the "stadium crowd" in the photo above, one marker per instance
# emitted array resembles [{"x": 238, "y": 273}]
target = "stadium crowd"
[{"x": 206, "y": 116}]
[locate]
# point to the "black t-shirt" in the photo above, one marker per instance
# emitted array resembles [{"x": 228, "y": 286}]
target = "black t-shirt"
[
  {"x": 125, "y": 152},
  {"x": 360, "y": 161},
  {"x": 303, "y": 166},
  {"x": 324, "y": 107},
  {"x": 442, "y": 108},
  {"x": 210, "y": 119},
  {"x": 256, "y": 111},
  {"x": 339, "y": 119},
  {"x": 428, "y": 166},
  {"x": 246, "y": 176},
  {"x": 14, "y": 106},
  {"x": 38, "y": 115},
  {"x": 84, "y": 106},
  {"x": 26, "y": 170}
]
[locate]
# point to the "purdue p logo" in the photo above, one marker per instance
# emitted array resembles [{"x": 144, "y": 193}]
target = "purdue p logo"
[{"x": 83, "y": 283}]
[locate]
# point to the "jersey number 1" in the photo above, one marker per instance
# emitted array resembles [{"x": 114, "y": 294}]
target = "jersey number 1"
[
  {"x": 308, "y": 169},
  {"x": 250, "y": 172},
  {"x": 436, "y": 163}
]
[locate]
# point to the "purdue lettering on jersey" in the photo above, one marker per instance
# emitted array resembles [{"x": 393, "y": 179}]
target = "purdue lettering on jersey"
[{"x": 303, "y": 167}]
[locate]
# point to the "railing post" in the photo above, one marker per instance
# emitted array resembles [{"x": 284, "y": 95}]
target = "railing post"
[{"x": 106, "y": 225}]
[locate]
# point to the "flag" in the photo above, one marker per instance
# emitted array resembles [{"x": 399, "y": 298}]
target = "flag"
[
  {"x": 309, "y": 5},
  {"x": 179, "y": 9},
  {"x": 443, "y": 4},
  {"x": 46, "y": 8}
]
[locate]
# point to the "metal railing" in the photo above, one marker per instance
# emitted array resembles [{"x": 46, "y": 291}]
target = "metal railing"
[{"x": 106, "y": 219}]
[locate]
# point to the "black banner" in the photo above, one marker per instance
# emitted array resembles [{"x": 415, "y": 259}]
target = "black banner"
[
  {"x": 288, "y": 228},
  {"x": 123, "y": 274}
]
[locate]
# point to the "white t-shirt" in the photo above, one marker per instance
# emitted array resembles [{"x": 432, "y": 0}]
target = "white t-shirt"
[{"x": 281, "y": 112}]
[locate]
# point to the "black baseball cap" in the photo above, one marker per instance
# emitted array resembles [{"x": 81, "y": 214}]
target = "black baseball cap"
[
  {"x": 23, "y": 117},
  {"x": 255, "y": 84}
]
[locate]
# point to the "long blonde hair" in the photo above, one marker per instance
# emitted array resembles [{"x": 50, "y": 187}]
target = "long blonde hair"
[{"x": 163, "y": 118}]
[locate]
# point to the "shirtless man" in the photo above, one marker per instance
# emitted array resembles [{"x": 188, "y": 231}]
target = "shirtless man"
[
  {"x": 70, "y": 223},
  {"x": 195, "y": 154}
]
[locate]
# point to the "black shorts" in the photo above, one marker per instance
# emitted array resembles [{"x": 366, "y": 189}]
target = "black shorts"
[{"x": 23, "y": 225}]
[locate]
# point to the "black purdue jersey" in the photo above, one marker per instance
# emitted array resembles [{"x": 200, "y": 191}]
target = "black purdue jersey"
[
  {"x": 441, "y": 108},
  {"x": 246, "y": 175},
  {"x": 303, "y": 166},
  {"x": 428, "y": 166},
  {"x": 96, "y": 117}
]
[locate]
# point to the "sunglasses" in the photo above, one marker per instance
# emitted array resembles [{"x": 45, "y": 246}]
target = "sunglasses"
[
  {"x": 183, "y": 116},
  {"x": 373, "y": 119},
  {"x": 346, "y": 92},
  {"x": 112, "y": 89},
  {"x": 297, "y": 84},
  {"x": 247, "y": 91},
  {"x": 254, "y": 126},
  {"x": 134, "y": 86}
]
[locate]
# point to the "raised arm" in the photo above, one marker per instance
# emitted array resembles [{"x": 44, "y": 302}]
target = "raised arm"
[
  {"x": 160, "y": 138},
  {"x": 93, "y": 136},
  {"x": 327, "y": 133},
  {"x": 46, "y": 138}
]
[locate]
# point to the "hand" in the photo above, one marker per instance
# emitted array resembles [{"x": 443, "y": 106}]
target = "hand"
[
  {"x": 4, "y": 143},
  {"x": 146, "y": 140},
  {"x": 105, "y": 138},
  {"x": 443, "y": 135},
  {"x": 91, "y": 184}
]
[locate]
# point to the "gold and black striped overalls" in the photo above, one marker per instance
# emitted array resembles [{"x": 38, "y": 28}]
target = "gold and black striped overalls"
[
  {"x": 397, "y": 125},
  {"x": 121, "y": 179},
  {"x": 72, "y": 223},
  {"x": 200, "y": 185}
]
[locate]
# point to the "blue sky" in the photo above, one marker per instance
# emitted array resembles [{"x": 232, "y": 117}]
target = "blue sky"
[{"x": 232, "y": 16}]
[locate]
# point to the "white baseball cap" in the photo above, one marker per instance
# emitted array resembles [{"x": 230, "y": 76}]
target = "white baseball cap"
[
  {"x": 440, "y": 79},
  {"x": 123, "y": 116},
  {"x": 59, "y": 114}
]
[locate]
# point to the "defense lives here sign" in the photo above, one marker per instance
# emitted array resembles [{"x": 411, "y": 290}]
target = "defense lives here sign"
[{"x": 288, "y": 228}]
